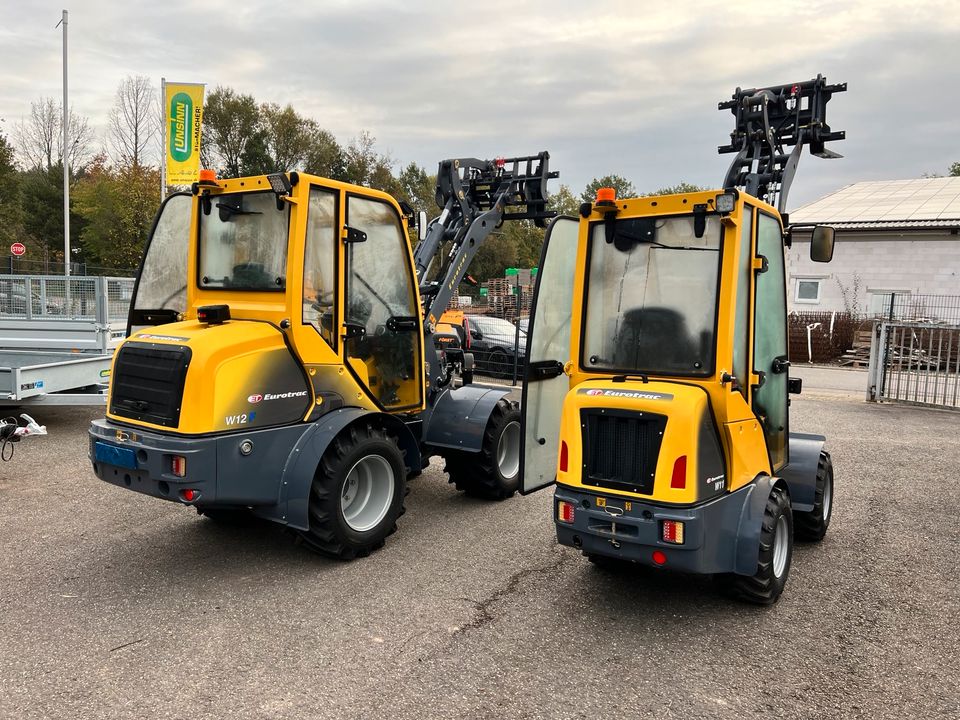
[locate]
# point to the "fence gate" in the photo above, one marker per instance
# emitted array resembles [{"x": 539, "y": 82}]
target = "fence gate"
[{"x": 915, "y": 363}]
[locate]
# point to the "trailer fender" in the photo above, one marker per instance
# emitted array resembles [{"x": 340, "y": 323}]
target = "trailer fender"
[
  {"x": 459, "y": 417},
  {"x": 292, "y": 508},
  {"x": 751, "y": 522},
  {"x": 801, "y": 473}
]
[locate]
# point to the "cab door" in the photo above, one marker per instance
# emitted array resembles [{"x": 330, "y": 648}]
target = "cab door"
[
  {"x": 160, "y": 291},
  {"x": 381, "y": 328},
  {"x": 548, "y": 350},
  {"x": 770, "y": 340}
]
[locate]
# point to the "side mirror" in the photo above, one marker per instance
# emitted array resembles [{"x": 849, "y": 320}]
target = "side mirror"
[
  {"x": 821, "y": 244},
  {"x": 421, "y": 225},
  {"x": 476, "y": 335}
]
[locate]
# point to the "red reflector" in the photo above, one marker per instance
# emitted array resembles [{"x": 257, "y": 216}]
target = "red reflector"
[
  {"x": 565, "y": 511},
  {"x": 178, "y": 465},
  {"x": 563, "y": 456},
  {"x": 679, "y": 479},
  {"x": 659, "y": 557},
  {"x": 189, "y": 495},
  {"x": 673, "y": 531}
]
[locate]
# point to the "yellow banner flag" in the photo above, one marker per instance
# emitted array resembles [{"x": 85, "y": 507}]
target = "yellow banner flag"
[{"x": 184, "y": 117}]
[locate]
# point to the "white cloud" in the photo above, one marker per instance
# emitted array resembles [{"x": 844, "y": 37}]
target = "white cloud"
[{"x": 622, "y": 87}]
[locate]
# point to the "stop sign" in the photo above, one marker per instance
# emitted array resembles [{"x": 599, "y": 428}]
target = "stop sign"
[{"x": 18, "y": 249}]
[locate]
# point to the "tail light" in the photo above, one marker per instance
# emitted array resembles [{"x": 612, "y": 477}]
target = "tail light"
[
  {"x": 565, "y": 511},
  {"x": 189, "y": 495},
  {"x": 679, "y": 478},
  {"x": 563, "y": 456},
  {"x": 672, "y": 532},
  {"x": 178, "y": 465}
]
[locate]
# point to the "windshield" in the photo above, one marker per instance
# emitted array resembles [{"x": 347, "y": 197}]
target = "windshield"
[
  {"x": 652, "y": 297},
  {"x": 243, "y": 242},
  {"x": 494, "y": 326}
]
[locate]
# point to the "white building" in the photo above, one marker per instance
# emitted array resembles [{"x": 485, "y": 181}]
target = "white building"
[{"x": 898, "y": 236}]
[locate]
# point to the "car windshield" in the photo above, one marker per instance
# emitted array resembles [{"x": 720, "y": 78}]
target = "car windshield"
[
  {"x": 243, "y": 242},
  {"x": 652, "y": 296},
  {"x": 495, "y": 326}
]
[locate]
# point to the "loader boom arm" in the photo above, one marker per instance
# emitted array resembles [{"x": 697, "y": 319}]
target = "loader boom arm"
[{"x": 770, "y": 120}]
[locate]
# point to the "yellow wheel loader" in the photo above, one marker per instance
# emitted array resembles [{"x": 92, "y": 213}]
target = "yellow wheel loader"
[
  {"x": 657, "y": 383},
  {"x": 280, "y": 359}
]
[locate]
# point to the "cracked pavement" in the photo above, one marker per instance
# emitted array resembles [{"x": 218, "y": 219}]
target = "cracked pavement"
[{"x": 116, "y": 605}]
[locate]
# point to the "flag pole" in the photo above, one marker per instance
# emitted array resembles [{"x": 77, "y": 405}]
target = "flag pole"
[
  {"x": 163, "y": 138},
  {"x": 66, "y": 156}
]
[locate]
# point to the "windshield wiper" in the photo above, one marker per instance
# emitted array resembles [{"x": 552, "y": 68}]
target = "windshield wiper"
[{"x": 228, "y": 211}]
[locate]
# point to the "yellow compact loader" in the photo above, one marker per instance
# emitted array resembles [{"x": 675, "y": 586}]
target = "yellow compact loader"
[
  {"x": 657, "y": 383},
  {"x": 280, "y": 358}
]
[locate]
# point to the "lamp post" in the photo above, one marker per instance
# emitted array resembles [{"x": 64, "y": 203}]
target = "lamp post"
[{"x": 66, "y": 154}]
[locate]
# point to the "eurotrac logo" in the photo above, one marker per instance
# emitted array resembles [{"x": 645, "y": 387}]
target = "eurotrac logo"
[{"x": 257, "y": 397}]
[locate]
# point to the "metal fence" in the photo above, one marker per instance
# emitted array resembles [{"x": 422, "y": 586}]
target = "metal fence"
[
  {"x": 916, "y": 363},
  {"x": 41, "y": 297},
  {"x": 943, "y": 309}
]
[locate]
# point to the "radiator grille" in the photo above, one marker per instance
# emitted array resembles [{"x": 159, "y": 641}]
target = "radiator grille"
[
  {"x": 620, "y": 449},
  {"x": 147, "y": 383}
]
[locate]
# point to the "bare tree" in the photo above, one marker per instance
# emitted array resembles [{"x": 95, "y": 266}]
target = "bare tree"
[
  {"x": 133, "y": 121},
  {"x": 39, "y": 137}
]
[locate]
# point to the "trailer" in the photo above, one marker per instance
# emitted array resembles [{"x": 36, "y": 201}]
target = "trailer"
[{"x": 57, "y": 337}]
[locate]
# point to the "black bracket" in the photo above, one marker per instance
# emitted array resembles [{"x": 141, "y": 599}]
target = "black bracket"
[
  {"x": 353, "y": 235},
  {"x": 544, "y": 370}
]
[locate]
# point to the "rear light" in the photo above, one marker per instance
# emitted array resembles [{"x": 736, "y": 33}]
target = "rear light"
[
  {"x": 672, "y": 532},
  {"x": 563, "y": 456},
  {"x": 189, "y": 495},
  {"x": 178, "y": 465},
  {"x": 679, "y": 479},
  {"x": 565, "y": 511},
  {"x": 659, "y": 557}
]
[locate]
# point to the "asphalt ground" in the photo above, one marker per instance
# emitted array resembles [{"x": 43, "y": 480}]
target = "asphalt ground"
[{"x": 117, "y": 605}]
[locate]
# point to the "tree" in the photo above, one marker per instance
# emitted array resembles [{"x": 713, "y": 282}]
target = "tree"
[
  {"x": 323, "y": 155},
  {"x": 624, "y": 187},
  {"x": 418, "y": 188},
  {"x": 133, "y": 120},
  {"x": 10, "y": 212},
  {"x": 954, "y": 170},
  {"x": 678, "y": 189},
  {"x": 118, "y": 206},
  {"x": 563, "y": 201},
  {"x": 233, "y": 139},
  {"x": 39, "y": 137},
  {"x": 41, "y": 193}
]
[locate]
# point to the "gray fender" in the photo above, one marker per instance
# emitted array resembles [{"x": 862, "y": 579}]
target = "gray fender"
[
  {"x": 292, "y": 506},
  {"x": 459, "y": 417},
  {"x": 801, "y": 472},
  {"x": 751, "y": 523}
]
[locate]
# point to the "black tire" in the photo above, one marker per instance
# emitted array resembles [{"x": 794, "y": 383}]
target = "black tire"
[
  {"x": 765, "y": 586},
  {"x": 498, "y": 363},
  {"x": 359, "y": 447},
  {"x": 812, "y": 526},
  {"x": 482, "y": 474}
]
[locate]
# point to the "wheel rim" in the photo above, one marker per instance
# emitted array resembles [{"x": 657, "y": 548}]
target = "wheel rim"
[
  {"x": 367, "y": 493},
  {"x": 827, "y": 497},
  {"x": 780, "y": 545},
  {"x": 508, "y": 450}
]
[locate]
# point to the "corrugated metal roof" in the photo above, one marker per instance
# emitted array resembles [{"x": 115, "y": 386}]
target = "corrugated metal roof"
[
  {"x": 895, "y": 224},
  {"x": 934, "y": 202}
]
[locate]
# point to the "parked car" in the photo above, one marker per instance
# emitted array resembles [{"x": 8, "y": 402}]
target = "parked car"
[{"x": 494, "y": 343}]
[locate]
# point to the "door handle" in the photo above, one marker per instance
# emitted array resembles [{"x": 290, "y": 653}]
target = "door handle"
[{"x": 780, "y": 365}]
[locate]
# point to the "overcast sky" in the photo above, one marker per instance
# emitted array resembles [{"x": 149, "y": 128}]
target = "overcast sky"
[{"x": 619, "y": 87}]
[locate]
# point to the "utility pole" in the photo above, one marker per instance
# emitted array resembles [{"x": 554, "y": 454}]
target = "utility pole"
[{"x": 66, "y": 155}]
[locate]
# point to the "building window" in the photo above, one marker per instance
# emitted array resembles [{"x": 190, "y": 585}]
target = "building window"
[{"x": 808, "y": 291}]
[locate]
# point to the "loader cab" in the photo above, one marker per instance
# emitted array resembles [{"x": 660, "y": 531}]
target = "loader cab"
[
  {"x": 674, "y": 303},
  {"x": 324, "y": 268}
]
